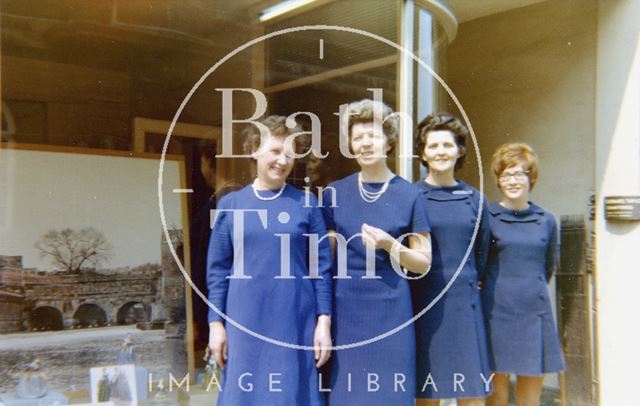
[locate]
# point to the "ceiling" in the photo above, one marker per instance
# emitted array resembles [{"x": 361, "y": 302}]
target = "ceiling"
[
  {"x": 125, "y": 35},
  {"x": 191, "y": 25},
  {"x": 467, "y": 10}
]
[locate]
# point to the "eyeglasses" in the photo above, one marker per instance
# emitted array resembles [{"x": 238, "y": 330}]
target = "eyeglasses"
[{"x": 518, "y": 176}]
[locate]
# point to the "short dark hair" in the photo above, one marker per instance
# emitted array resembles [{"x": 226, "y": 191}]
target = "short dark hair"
[
  {"x": 207, "y": 150},
  {"x": 442, "y": 121}
]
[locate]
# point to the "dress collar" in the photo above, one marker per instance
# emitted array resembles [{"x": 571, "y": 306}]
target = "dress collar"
[
  {"x": 532, "y": 213},
  {"x": 392, "y": 179},
  {"x": 429, "y": 187},
  {"x": 445, "y": 193}
]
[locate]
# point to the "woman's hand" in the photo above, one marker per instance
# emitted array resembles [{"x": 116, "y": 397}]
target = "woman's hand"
[
  {"x": 375, "y": 238},
  {"x": 416, "y": 258},
  {"x": 218, "y": 342},
  {"x": 322, "y": 340}
]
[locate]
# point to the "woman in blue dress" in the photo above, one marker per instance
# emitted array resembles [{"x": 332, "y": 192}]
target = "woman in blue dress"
[
  {"x": 371, "y": 213},
  {"x": 452, "y": 353},
  {"x": 523, "y": 256},
  {"x": 258, "y": 275}
]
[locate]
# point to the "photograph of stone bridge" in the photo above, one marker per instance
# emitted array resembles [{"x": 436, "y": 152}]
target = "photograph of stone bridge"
[
  {"x": 73, "y": 321},
  {"x": 148, "y": 296}
]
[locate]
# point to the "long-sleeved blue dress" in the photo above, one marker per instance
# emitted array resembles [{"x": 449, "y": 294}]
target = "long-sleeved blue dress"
[
  {"x": 523, "y": 256},
  {"x": 381, "y": 372},
  {"x": 452, "y": 352},
  {"x": 284, "y": 309}
]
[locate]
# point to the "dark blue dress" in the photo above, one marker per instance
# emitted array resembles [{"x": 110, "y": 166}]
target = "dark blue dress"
[
  {"x": 367, "y": 308},
  {"x": 258, "y": 372},
  {"x": 523, "y": 256},
  {"x": 452, "y": 351}
]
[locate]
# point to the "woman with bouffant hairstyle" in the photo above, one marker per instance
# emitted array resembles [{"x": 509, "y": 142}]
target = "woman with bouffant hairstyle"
[
  {"x": 442, "y": 122},
  {"x": 251, "y": 286},
  {"x": 373, "y": 208},
  {"x": 451, "y": 339},
  {"x": 522, "y": 258}
]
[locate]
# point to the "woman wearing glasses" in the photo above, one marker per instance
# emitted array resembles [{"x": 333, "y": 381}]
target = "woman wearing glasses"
[
  {"x": 372, "y": 209},
  {"x": 523, "y": 256},
  {"x": 452, "y": 354}
]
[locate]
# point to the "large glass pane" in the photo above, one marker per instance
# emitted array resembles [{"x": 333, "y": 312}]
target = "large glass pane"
[
  {"x": 428, "y": 95},
  {"x": 319, "y": 70},
  {"x": 89, "y": 92}
]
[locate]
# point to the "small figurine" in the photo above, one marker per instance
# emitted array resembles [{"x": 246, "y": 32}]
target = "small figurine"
[
  {"x": 32, "y": 383},
  {"x": 126, "y": 355},
  {"x": 210, "y": 370},
  {"x": 161, "y": 393}
]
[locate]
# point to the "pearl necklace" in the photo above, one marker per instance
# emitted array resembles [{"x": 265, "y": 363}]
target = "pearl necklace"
[
  {"x": 274, "y": 197},
  {"x": 371, "y": 197}
]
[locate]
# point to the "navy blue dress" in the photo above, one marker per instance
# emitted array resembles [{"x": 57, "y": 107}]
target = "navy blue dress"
[
  {"x": 381, "y": 372},
  {"x": 523, "y": 256},
  {"x": 452, "y": 352},
  {"x": 258, "y": 372}
]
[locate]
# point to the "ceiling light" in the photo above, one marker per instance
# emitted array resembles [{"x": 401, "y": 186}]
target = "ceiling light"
[{"x": 282, "y": 8}]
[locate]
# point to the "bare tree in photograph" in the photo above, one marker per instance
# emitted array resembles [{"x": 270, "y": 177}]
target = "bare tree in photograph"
[{"x": 74, "y": 250}]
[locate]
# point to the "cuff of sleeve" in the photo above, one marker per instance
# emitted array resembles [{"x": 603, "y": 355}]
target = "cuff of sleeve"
[
  {"x": 324, "y": 308},
  {"x": 213, "y": 316}
]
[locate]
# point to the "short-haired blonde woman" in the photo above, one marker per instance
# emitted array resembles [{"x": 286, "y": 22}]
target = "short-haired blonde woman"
[
  {"x": 294, "y": 309},
  {"x": 523, "y": 256},
  {"x": 374, "y": 207}
]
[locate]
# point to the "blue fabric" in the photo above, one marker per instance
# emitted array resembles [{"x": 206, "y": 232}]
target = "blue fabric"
[
  {"x": 451, "y": 336},
  {"x": 523, "y": 256},
  {"x": 366, "y": 308},
  {"x": 281, "y": 309}
]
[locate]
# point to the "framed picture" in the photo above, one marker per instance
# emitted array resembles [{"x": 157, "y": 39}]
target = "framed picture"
[
  {"x": 197, "y": 144},
  {"x": 85, "y": 267},
  {"x": 115, "y": 384}
]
